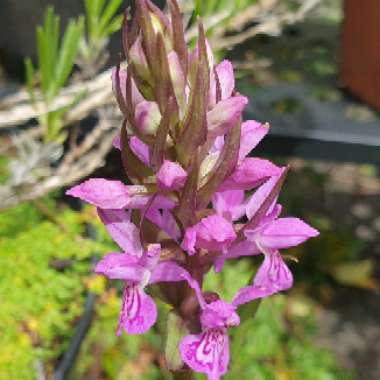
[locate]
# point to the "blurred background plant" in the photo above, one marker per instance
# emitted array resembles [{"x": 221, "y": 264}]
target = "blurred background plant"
[
  {"x": 230, "y": 23},
  {"x": 55, "y": 64},
  {"x": 62, "y": 90},
  {"x": 68, "y": 108},
  {"x": 102, "y": 20}
]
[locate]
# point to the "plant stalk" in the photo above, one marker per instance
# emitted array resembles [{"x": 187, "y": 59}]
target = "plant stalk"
[{"x": 183, "y": 375}]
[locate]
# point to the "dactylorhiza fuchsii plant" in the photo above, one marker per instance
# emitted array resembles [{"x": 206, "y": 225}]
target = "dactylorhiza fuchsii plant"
[{"x": 190, "y": 206}]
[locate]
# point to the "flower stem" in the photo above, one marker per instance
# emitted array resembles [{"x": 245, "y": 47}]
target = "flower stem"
[{"x": 183, "y": 375}]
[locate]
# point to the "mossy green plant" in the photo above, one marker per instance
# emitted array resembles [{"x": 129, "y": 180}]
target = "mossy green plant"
[{"x": 43, "y": 267}]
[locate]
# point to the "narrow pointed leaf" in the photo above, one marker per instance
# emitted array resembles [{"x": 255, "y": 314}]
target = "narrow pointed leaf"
[
  {"x": 261, "y": 212},
  {"x": 158, "y": 13},
  {"x": 148, "y": 33},
  {"x": 135, "y": 170},
  {"x": 178, "y": 35},
  {"x": 108, "y": 13},
  {"x": 158, "y": 151},
  {"x": 218, "y": 91},
  {"x": 163, "y": 83},
  {"x": 68, "y": 51},
  {"x": 119, "y": 94},
  {"x": 125, "y": 35},
  {"x": 194, "y": 131},
  {"x": 187, "y": 203}
]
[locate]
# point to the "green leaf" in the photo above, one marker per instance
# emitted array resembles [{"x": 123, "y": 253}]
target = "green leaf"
[
  {"x": 106, "y": 17},
  {"x": 92, "y": 7},
  {"x": 175, "y": 331},
  {"x": 113, "y": 26},
  {"x": 42, "y": 59},
  {"x": 47, "y": 46},
  {"x": 68, "y": 52}
]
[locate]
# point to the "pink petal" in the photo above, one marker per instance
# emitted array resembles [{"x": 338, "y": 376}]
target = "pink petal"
[
  {"x": 243, "y": 248},
  {"x": 194, "y": 284},
  {"x": 226, "y": 78},
  {"x": 148, "y": 117},
  {"x": 102, "y": 193},
  {"x": 261, "y": 194},
  {"x": 189, "y": 240},
  {"x": 167, "y": 271},
  {"x": 206, "y": 353},
  {"x": 116, "y": 142},
  {"x": 286, "y": 233},
  {"x": 140, "y": 149},
  {"x": 107, "y": 194},
  {"x": 225, "y": 115},
  {"x": 138, "y": 311},
  {"x": 254, "y": 235},
  {"x": 165, "y": 221},
  {"x": 120, "y": 266},
  {"x": 273, "y": 273},
  {"x": 229, "y": 204},
  {"x": 122, "y": 230},
  {"x": 219, "y": 314},
  {"x": 171, "y": 176},
  {"x": 249, "y": 294},
  {"x": 272, "y": 277},
  {"x": 252, "y": 132},
  {"x": 236, "y": 250},
  {"x": 162, "y": 202},
  {"x": 214, "y": 233},
  {"x": 250, "y": 173}
]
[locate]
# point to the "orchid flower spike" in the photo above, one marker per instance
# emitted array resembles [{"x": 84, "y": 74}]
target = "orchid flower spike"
[{"x": 187, "y": 204}]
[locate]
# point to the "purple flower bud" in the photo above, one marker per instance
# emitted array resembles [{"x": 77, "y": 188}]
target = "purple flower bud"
[
  {"x": 171, "y": 176},
  {"x": 148, "y": 117}
]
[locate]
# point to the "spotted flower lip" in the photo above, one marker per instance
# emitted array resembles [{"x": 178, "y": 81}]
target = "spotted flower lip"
[
  {"x": 208, "y": 352},
  {"x": 138, "y": 311}
]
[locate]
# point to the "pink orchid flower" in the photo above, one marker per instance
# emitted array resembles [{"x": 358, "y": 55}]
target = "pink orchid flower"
[{"x": 138, "y": 311}]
